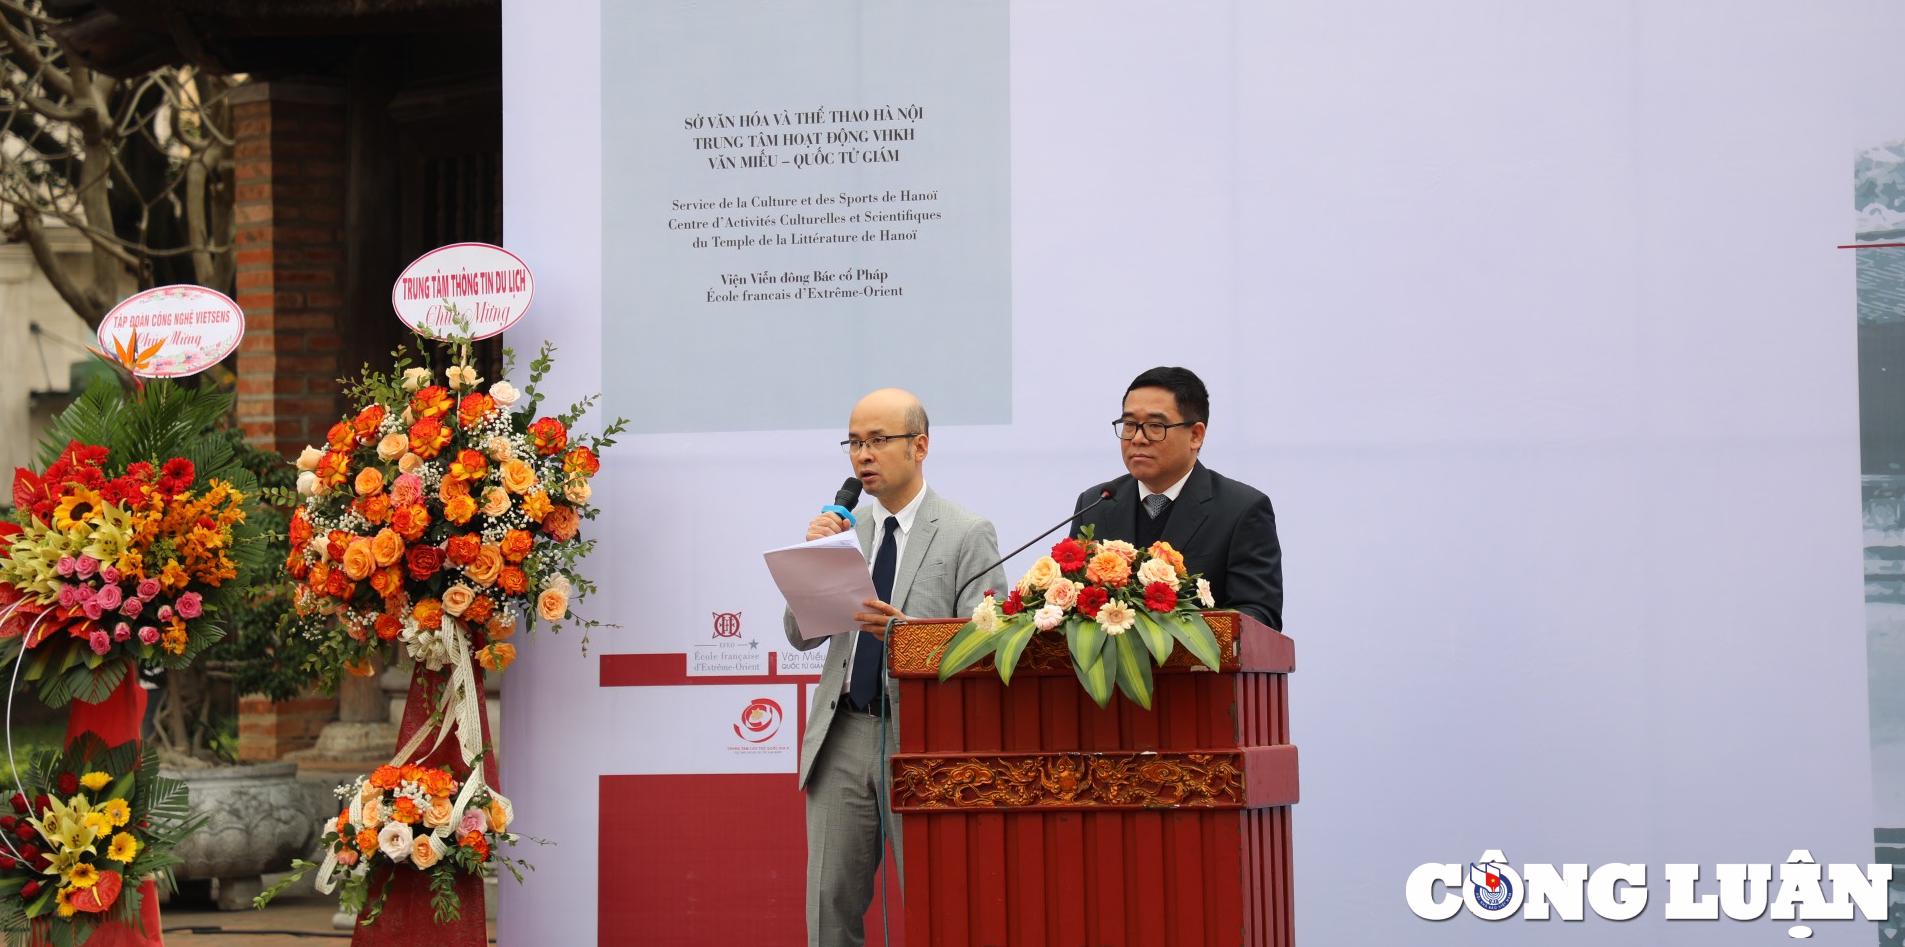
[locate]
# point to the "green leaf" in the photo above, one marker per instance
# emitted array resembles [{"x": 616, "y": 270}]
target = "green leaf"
[
  {"x": 1134, "y": 668},
  {"x": 965, "y": 649},
  {"x": 1194, "y": 633},
  {"x": 39, "y": 661},
  {"x": 1100, "y": 678},
  {"x": 1012, "y": 641},
  {"x": 443, "y": 900},
  {"x": 1155, "y": 637},
  {"x": 92, "y": 685},
  {"x": 299, "y": 868},
  {"x": 1087, "y": 639},
  {"x": 44, "y": 902},
  {"x": 120, "y": 789}
]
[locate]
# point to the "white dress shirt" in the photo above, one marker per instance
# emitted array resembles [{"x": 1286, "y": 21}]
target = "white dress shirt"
[
  {"x": 1172, "y": 491},
  {"x": 905, "y": 515}
]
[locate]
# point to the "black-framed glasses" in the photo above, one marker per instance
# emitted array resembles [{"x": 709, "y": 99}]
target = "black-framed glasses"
[
  {"x": 853, "y": 445},
  {"x": 1153, "y": 430}
]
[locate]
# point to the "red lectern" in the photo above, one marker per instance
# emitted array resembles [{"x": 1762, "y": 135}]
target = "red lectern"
[{"x": 1034, "y": 817}]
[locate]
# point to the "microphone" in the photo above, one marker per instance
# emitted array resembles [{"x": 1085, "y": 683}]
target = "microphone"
[
  {"x": 846, "y": 500},
  {"x": 1104, "y": 493}
]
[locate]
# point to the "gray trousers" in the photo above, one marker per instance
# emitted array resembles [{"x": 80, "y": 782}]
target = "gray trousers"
[{"x": 846, "y": 798}]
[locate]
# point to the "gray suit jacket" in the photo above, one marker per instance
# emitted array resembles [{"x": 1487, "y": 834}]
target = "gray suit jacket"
[{"x": 947, "y": 546}]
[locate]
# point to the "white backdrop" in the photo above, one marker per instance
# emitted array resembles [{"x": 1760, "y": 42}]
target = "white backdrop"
[{"x": 1527, "y": 316}]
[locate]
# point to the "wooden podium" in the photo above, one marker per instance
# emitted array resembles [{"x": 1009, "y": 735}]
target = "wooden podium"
[{"x": 1033, "y": 817}]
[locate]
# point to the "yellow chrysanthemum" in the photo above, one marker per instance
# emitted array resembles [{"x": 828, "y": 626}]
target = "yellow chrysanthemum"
[
  {"x": 83, "y": 875},
  {"x": 75, "y": 509},
  {"x": 66, "y": 908},
  {"x": 124, "y": 848},
  {"x": 95, "y": 781},
  {"x": 99, "y": 822},
  {"x": 118, "y": 811}
]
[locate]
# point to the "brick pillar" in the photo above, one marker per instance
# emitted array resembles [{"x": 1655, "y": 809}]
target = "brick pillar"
[
  {"x": 291, "y": 182},
  {"x": 290, "y": 247},
  {"x": 268, "y": 730}
]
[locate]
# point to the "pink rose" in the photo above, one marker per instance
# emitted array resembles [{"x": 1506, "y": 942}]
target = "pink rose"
[
  {"x": 93, "y": 611},
  {"x": 1062, "y": 592},
  {"x": 132, "y": 607},
  {"x": 473, "y": 821},
  {"x": 122, "y": 632},
  {"x": 165, "y": 613},
  {"x": 100, "y": 642},
  {"x": 148, "y": 635},
  {"x": 149, "y": 589},
  {"x": 109, "y": 574},
  {"x": 86, "y": 566},
  {"x": 191, "y": 605},
  {"x": 66, "y": 566},
  {"x": 109, "y": 597},
  {"x": 407, "y": 490},
  {"x": 69, "y": 596}
]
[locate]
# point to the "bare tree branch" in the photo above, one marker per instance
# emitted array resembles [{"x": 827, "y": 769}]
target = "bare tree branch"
[
  {"x": 41, "y": 105},
  {"x": 22, "y": 12},
  {"x": 124, "y": 164},
  {"x": 83, "y": 300},
  {"x": 24, "y": 47}
]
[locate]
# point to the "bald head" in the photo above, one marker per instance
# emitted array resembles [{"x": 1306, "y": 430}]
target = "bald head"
[
  {"x": 895, "y": 402},
  {"x": 892, "y": 470}
]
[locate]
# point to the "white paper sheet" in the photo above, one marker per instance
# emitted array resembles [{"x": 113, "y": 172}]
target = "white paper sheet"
[{"x": 824, "y": 580}]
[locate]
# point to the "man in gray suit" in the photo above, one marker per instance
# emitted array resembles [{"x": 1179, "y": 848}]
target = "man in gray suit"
[{"x": 921, "y": 548}]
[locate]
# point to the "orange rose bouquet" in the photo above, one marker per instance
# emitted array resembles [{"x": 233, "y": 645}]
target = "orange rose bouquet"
[
  {"x": 440, "y": 515},
  {"x": 415, "y": 818}
]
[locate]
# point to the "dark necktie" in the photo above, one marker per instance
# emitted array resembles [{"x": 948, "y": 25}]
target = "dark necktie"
[
  {"x": 868, "y": 656},
  {"x": 1155, "y": 504}
]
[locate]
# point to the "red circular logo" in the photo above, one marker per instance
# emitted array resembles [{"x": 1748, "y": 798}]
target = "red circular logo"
[
  {"x": 727, "y": 624},
  {"x": 760, "y": 720}
]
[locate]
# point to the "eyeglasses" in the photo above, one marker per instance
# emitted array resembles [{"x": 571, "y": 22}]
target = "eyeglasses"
[
  {"x": 1153, "y": 430},
  {"x": 854, "y": 445}
]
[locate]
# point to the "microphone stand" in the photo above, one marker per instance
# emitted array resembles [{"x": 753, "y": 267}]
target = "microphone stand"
[{"x": 1103, "y": 495}]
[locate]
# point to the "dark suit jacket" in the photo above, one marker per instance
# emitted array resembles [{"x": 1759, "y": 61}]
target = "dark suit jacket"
[{"x": 1225, "y": 528}]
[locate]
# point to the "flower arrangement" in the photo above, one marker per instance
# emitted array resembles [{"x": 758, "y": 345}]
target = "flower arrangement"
[
  {"x": 442, "y": 508},
  {"x": 410, "y": 817},
  {"x": 1119, "y": 607},
  {"x": 127, "y": 547},
  {"x": 85, "y": 827}
]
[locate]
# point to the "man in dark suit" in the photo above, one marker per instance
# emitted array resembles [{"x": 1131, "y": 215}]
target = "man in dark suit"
[{"x": 1225, "y": 528}]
